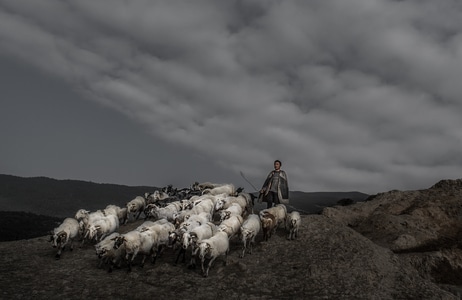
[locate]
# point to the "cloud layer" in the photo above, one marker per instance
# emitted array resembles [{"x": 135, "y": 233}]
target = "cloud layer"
[{"x": 349, "y": 94}]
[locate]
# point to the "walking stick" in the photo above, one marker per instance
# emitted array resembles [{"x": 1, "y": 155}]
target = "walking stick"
[{"x": 243, "y": 176}]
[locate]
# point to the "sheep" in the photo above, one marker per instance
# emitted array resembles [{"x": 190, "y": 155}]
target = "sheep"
[
  {"x": 174, "y": 239},
  {"x": 102, "y": 227},
  {"x": 136, "y": 206},
  {"x": 279, "y": 212},
  {"x": 249, "y": 230},
  {"x": 229, "y": 189},
  {"x": 166, "y": 212},
  {"x": 293, "y": 224},
  {"x": 84, "y": 214},
  {"x": 214, "y": 198},
  {"x": 107, "y": 254},
  {"x": 192, "y": 221},
  {"x": 121, "y": 213},
  {"x": 162, "y": 230},
  {"x": 268, "y": 225},
  {"x": 231, "y": 226},
  {"x": 147, "y": 224},
  {"x": 195, "y": 236},
  {"x": 205, "y": 205},
  {"x": 86, "y": 217},
  {"x": 212, "y": 248},
  {"x": 206, "y": 185},
  {"x": 66, "y": 232},
  {"x": 250, "y": 199},
  {"x": 234, "y": 209},
  {"x": 160, "y": 196},
  {"x": 135, "y": 242},
  {"x": 228, "y": 201},
  {"x": 181, "y": 217}
]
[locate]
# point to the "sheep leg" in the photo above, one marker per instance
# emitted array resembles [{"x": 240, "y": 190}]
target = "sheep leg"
[
  {"x": 157, "y": 252},
  {"x": 252, "y": 241},
  {"x": 243, "y": 248},
  {"x": 206, "y": 274},
  {"x": 202, "y": 265},
  {"x": 144, "y": 259},
  {"x": 138, "y": 215},
  {"x": 58, "y": 255},
  {"x": 130, "y": 261},
  {"x": 182, "y": 251},
  {"x": 192, "y": 263}
]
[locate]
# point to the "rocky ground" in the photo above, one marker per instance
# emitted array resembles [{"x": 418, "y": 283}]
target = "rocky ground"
[{"x": 370, "y": 250}]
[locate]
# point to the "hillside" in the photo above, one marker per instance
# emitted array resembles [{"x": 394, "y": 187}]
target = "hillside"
[
  {"x": 40, "y": 197},
  {"x": 396, "y": 245},
  {"x": 62, "y": 198}
]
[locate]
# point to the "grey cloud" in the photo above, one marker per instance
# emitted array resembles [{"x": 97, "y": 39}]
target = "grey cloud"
[{"x": 344, "y": 92}]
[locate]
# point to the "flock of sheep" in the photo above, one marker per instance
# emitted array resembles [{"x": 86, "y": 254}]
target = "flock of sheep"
[{"x": 201, "y": 222}]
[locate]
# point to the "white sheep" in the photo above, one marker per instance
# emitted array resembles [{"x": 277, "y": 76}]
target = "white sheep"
[
  {"x": 228, "y": 189},
  {"x": 160, "y": 232},
  {"x": 268, "y": 225},
  {"x": 66, "y": 232},
  {"x": 249, "y": 230},
  {"x": 168, "y": 212},
  {"x": 121, "y": 213},
  {"x": 147, "y": 224},
  {"x": 228, "y": 201},
  {"x": 231, "y": 226},
  {"x": 205, "y": 205},
  {"x": 279, "y": 212},
  {"x": 136, "y": 206},
  {"x": 107, "y": 254},
  {"x": 293, "y": 224},
  {"x": 192, "y": 221},
  {"x": 183, "y": 216},
  {"x": 86, "y": 217},
  {"x": 212, "y": 248},
  {"x": 191, "y": 239},
  {"x": 214, "y": 198},
  {"x": 233, "y": 210},
  {"x": 101, "y": 228},
  {"x": 135, "y": 242}
]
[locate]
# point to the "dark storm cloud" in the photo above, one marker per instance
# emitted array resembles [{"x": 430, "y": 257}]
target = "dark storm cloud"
[{"x": 351, "y": 95}]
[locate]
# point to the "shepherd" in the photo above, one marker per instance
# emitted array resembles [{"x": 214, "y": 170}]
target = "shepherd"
[{"x": 276, "y": 187}]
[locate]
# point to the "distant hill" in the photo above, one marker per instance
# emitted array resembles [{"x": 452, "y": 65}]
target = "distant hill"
[
  {"x": 62, "y": 198},
  {"x": 21, "y": 225},
  {"x": 314, "y": 202},
  {"x": 44, "y": 202}
]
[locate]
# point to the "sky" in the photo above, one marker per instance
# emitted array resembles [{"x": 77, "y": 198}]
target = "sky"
[{"x": 351, "y": 95}]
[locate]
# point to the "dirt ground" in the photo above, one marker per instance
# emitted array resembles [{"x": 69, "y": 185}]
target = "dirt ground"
[
  {"x": 30, "y": 270},
  {"x": 320, "y": 264}
]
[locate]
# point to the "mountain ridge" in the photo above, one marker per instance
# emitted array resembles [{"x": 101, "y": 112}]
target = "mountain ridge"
[{"x": 63, "y": 197}]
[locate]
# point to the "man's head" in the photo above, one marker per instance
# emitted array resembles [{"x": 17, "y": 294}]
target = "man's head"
[{"x": 277, "y": 164}]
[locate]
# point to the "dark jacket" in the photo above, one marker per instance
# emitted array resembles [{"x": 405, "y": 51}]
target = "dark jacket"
[{"x": 283, "y": 188}]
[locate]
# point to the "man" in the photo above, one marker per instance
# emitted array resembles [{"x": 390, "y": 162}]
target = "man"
[{"x": 276, "y": 188}]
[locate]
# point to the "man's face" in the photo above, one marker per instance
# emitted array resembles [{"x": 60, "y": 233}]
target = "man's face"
[{"x": 277, "y": 165}]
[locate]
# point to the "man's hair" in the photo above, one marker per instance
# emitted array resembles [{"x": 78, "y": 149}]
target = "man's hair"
[{"x": 277, "y": 160}]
